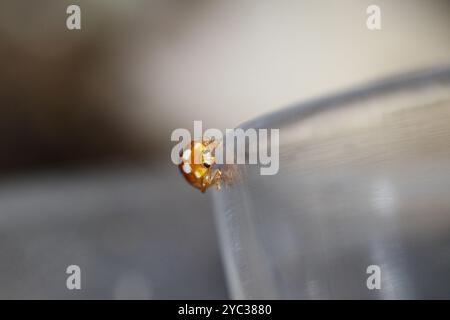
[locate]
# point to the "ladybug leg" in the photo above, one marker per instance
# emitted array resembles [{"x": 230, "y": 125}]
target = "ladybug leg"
[
  {"x": 208, "y": 180},
  {"x": 217, "y": 179}
]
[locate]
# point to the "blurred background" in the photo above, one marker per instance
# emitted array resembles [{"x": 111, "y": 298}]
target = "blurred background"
[{"x": 86, "y": 117}]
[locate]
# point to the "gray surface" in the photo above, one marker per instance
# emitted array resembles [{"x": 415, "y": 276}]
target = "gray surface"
[{"x": 135, "y": 233}]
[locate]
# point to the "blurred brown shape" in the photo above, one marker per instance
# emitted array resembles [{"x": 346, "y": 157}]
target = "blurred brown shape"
[{"x": 58, "y": 106}]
